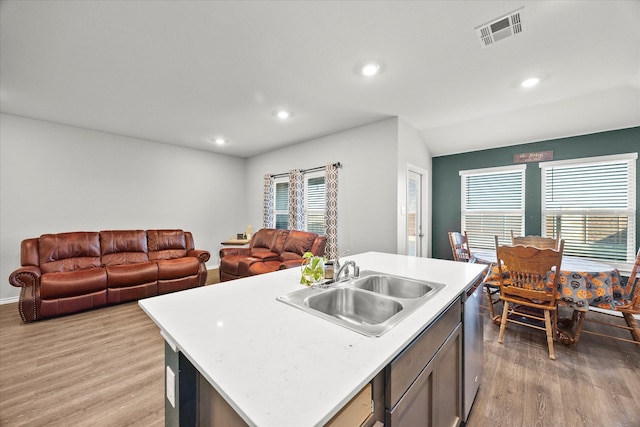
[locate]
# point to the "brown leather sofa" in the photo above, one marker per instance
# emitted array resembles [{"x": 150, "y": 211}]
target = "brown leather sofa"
[
  {"x": 270, "y": 250},
  {"x": 70, "y": 272}
]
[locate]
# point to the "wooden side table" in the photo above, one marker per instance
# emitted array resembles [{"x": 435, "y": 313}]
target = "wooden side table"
[{"x": 236, "y": 242}]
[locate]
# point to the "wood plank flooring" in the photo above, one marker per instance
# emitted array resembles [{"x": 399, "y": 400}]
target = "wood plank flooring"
[
  {"x": 105, "y": 368},
  {"x": 594, "y": 384}
]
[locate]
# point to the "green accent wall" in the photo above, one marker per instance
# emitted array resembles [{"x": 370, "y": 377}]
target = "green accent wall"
[{"x": 446, "y": 180}]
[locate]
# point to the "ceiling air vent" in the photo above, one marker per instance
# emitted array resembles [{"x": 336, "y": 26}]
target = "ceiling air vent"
[{"x": 501, "y": 28}]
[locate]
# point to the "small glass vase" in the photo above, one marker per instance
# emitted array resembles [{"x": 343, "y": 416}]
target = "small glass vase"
[{"x": 312, "y": 271}]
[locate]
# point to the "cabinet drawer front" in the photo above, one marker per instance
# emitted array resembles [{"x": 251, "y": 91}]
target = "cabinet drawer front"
[
  {"x": 405, "y": 368},
  {"x": 435, "y": 397}
]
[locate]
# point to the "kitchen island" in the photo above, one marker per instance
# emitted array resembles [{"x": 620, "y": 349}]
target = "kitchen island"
[{"x": 275, "y": 365}]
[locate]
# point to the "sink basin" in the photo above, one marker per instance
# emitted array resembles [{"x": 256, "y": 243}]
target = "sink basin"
[
  {"x": 350, "y": 305},
  {"x": 371, "y": 304},
  {"x": 394, "y": 286}
]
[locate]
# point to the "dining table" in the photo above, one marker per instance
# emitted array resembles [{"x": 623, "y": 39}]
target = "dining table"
[{"x": 583, "y": 283}]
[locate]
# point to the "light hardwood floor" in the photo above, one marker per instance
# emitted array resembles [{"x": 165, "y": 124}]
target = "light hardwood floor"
[
  {"x": 594, "y": 384},
  {"x": 105, "y": 368}
]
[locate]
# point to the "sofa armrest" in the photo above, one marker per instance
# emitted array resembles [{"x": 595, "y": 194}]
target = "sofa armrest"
[
  {"x": 26, "y": 276},
  {"x": 234, "y": 251},
  {"x": 202, "y": 255}
]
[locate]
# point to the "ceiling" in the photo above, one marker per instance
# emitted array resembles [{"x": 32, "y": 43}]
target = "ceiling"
[{"x": 186, "y": 72}]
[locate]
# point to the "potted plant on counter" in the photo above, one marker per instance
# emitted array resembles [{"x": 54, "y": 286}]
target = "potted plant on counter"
[{"x": 312, "y": 269}]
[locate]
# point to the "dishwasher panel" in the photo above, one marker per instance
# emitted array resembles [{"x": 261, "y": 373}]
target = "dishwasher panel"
[{"x": 473, "y": 334}]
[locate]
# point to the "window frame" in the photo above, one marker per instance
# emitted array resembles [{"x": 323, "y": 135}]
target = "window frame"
[
  {"x": 484, "y": 241},
  {"x": 308, "y": 212},
  {"x": 276, "y": 212},
  {"x": 630, "y": 211}
]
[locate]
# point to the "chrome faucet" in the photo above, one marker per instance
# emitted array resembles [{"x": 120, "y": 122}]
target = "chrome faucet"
[
  {"x": 336, "y": 264},
  {"x": 345, "y": 269}
]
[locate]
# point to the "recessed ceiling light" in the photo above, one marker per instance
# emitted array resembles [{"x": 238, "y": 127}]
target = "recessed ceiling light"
[
  {"x": 530, "y": 82},
  {"x": 283, "y": 114},
  {"x": 220, "y": 141},
  {"x": 370, "y": 69}
]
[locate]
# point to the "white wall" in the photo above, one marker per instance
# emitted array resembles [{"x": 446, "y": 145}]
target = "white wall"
[
  {"x": 413, "y": 153},
  {"x": 56, "y": 178},
  {"x": 367, "y": 182}
]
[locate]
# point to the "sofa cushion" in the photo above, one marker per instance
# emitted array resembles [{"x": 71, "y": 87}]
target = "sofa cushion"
[
  {"x": 69, "y": 251},
  {"x": 265, "y": 255},
  {"x": 231, "y": 264},
  {"x": 177, "y": 268},
  {"x": 263, "y": 240},
  {"x": 123, "y": 247},
  {"x": 166, "y": 244},
  {"x": 72, "y": 283},
  {"x": 127, "y": 275},
  {"x": 268, "y": 239},
  {"x": 263, "y": 267},
  {"x": 297, "y": 243}
]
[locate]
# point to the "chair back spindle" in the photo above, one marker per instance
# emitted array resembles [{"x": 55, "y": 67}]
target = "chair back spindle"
[{"x": 460, "y": 246}]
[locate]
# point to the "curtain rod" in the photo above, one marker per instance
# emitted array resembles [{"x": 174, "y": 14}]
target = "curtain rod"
[{"x": 319, "y": 168}]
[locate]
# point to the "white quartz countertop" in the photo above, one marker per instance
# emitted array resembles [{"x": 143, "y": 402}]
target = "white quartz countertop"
[{"x": 279, "y": 366}]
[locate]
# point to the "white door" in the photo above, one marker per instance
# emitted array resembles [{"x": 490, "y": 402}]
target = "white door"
[{"x": 414, "y": 213}]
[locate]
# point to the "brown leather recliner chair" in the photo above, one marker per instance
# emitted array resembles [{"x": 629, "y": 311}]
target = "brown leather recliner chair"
[{"x": 270, "y": 250}]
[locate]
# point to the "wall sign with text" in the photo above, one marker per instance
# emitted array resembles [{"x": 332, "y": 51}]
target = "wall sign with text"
[{"x": 540, "y": 156}]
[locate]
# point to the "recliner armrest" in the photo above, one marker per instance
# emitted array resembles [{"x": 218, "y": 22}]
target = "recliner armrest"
[
  {"x": 234, "y": 251},
  {"x": 201, "y": 254},
  {"x": 26, "y": 276}
]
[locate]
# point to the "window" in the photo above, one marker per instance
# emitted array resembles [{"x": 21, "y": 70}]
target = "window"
[
  {"x": 281, "y": 211},
  {"x": 591, "y": 204},
  {"x": 492, "y": 204},
  {"x": 314, "y": 203}
]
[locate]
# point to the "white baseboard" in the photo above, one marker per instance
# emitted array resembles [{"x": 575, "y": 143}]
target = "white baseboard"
[{"x": 9, "y": 300}]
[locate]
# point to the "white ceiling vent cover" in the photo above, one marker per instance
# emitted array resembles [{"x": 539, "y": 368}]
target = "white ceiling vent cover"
[{"x": 501, "y": 28}]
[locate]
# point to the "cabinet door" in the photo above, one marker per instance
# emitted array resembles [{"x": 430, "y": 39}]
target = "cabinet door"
[
  {"x": 447, "y": 398},
  {"x": 435, "y": 398},
  {"x": 415, "y": 408}
]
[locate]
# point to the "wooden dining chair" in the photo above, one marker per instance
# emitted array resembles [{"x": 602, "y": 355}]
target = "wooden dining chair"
[
  {"x": 460, "y": 246},
  {"x": 462, "y": 253},
  {"x": 626, "y": 307},
  {"x": 529, "y": 287},
  {"x": 537, "y": 241}
]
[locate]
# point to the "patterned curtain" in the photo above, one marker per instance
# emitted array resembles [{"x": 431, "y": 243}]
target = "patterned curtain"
[
  {"x": 296, "y": 200},
  {"x": 331, "y": 210},
  {"x": 268, "y": 207}
]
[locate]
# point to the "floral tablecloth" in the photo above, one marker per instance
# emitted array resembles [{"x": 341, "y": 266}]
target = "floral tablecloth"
[{"x": 582, "y": 283}]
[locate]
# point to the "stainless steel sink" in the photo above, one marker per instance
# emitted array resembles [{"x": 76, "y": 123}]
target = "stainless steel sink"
[
  {"x": 399, "y": 287},
  {"x": 371, "y": 304},
  {"x": 352, "y": 306}
]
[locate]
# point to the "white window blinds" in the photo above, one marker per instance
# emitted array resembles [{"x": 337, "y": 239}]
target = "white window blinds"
[
  {"x": 492, "y": 204},
  {"x": 315, "y": 203},
  {"x": 281, "y": 212},
  {"x": 591, "y": 204}
]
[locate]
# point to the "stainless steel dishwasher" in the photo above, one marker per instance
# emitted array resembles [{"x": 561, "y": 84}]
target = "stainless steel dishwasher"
[{"x": 473, "y": 336}]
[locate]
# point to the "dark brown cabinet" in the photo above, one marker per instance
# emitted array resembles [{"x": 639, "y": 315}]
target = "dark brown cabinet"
[{"x": 424, "y": 383}]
